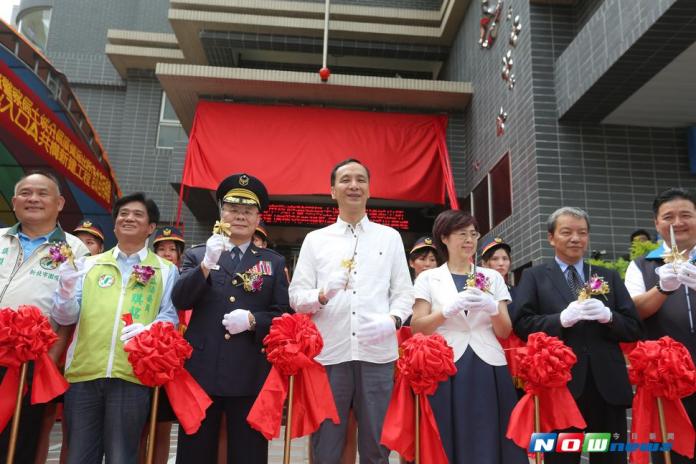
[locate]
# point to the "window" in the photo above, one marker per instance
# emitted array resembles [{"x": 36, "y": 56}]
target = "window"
[
  {"x": 501, "y": 190},
  {"x": 34, "y": 25},
  {"x": 491, "y": 199},
  {"x": 170, "y": 129},
  {"x": 481, "y": 209}
]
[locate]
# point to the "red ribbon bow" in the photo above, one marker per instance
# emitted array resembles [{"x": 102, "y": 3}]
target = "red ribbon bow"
[
  {"x": 544, "y": 367},
  {"x": 426, "y": 361},
  {"x": 26, "y": 335},
  {"x": 157, "y": 356},
  {"x": 291, "y": 346},
  {"x": 661, "y": 369}
]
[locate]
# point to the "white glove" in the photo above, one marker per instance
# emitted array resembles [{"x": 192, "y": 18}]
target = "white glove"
[
  {"x": 594, "y": 310},
  {"x": 669, "y": 279},
  {"x": 686, "y": 275},
  {"x": 571, "y": 315},
  {"x": 337, "y": 281},
  {"x": 68, "y": 277},
  {"x": 476, "y": 300},
  {"x": 375, "y": 328},
  {"x": 236, "y": 321},
  {"x": 213, "y": 249},
  {"x": 455, "y": 306},
  {"x": 133, "y": 330}
]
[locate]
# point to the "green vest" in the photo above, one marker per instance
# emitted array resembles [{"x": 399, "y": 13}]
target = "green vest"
[{"x": 96, "y": 351}]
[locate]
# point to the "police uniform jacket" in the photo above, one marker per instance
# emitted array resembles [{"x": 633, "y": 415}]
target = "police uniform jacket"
[{"x": 224, "y": 364}]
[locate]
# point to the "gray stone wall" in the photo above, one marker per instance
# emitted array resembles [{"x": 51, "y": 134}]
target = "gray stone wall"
[
  {"x": 606, "y": 35},
  {"x": 613, "y": 172},
  {"x": 476, "y": 149}
]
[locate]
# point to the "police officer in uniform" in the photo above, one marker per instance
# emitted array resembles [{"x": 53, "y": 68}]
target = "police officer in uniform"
[{"x": 235, "y": 289}]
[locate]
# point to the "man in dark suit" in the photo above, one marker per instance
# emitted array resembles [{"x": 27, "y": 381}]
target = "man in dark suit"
[
  {"x": 547, "y": 301},
  {"x": 235, "y": 289}
]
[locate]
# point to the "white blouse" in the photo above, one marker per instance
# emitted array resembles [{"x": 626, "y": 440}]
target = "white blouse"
[{"x": 475, "y": 329}]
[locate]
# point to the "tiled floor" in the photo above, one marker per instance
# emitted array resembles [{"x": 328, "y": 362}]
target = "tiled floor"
[{"x": 298, "y": 450}]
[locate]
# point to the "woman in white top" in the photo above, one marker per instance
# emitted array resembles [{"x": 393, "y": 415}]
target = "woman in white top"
[{"x": 473, "y": 407}]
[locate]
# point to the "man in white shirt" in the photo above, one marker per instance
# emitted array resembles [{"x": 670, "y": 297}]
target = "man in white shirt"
[
  {"x": 353, "y": 278},
  {"x": 665, "y": 294}
]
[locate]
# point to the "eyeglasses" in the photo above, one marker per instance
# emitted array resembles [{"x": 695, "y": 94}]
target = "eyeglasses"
[{"x": 473, "y": 235}]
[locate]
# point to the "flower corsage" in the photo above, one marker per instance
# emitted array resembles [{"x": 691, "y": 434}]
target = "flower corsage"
[
  {"x": 478, "y": 280},
  {"x": 595, "y": 286},
  {"x": 251, "y": 281},
  {"x": 141, "y": 275},
  {"x": 61, "y": 252}
]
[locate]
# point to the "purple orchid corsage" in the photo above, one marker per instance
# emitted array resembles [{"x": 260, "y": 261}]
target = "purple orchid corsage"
[
  {"x": 59, "y": 253},
  {"x": 480, "y": 281},
  {"x": 142, "y": 274},
  {"x": 595, "y": 286},
  {"x": 251, "y": 281}
]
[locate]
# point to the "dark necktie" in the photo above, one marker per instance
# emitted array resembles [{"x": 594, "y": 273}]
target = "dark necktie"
[
  {"x": 574, "y": 281},
  {"x": 236, "y": 257}
]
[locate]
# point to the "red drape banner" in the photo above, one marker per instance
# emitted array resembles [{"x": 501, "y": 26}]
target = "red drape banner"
[{"x": 292, "y": 149}]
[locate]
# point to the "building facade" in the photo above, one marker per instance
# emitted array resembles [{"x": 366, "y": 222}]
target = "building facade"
[{"x": 594, "y": 94}]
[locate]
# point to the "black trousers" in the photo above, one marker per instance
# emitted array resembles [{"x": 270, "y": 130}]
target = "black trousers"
[
  {"x": 29, "y": 428},
  {"x": 690, "y": 405},
  {"x": 600, "y": 416},
  {"x": 244, "y": 444}
]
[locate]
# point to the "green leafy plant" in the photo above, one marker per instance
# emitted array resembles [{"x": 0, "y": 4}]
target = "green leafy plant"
[{"x": 620, "y": 265}]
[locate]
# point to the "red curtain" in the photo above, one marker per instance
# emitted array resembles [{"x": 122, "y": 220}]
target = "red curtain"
[{"x": 292, "y": 149}]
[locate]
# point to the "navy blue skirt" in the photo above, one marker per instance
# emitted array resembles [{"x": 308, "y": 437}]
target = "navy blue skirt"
[{"x": 472, "y": 410}]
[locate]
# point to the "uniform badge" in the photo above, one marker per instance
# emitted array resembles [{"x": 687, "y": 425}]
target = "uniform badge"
[
  {"x": 167, "y": 232},
  {"x": 105, "y": 280},
  {"x": 262, "y": 268},
  {"x": 87, "y": 224},
  {"x": 243, "y": 180}
]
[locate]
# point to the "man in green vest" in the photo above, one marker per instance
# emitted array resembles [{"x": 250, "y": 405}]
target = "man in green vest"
[{"x": 106, "y": 406}]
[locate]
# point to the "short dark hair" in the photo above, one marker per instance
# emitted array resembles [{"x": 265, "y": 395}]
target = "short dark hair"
[
  {"x": 343, "y": 163},
  {"x": 670, "y": 194},
  {"x": 640, "y": 232},
  {"x": 42, "y": 172},
  {"x": 153, "y": 214},
  {"x": 447, "y": 222}
]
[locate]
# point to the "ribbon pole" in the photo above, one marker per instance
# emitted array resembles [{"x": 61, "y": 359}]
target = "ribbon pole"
[
  {"x": 152, "y": 435},
  {"x": 15, "y": 418},
  {"x": 417, "y": 429},
  {"x": 288, "y": 421},
  {"x": 537, "y": 426},
  {"x": 663, "y": 429}
]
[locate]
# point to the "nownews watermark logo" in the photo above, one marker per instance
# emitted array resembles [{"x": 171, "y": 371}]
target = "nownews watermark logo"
[{"x": 590, "y": 443}]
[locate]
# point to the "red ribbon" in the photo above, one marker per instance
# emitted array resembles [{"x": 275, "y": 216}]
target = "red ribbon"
[
  {"x": 26, "y": 335},
  {"x": 426, "y": 361},
  {"x": 511, "y": 345},
  {"x": 661, "y": 369},
  {"x": 291, "y": 346},
  {"x": 544, "y": 367},
  {"x": 157, "y": 356}
]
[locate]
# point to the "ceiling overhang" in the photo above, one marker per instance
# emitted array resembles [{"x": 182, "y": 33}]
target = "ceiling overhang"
[
  {"x": 186, "y": 84},
  {"x": 192, "y": 19}
]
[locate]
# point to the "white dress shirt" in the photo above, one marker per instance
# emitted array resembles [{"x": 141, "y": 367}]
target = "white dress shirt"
[
  {"x": 379, "y": 283},
  {"x": 475, "y": 329},
  {"x": 634, "y": 278}
]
